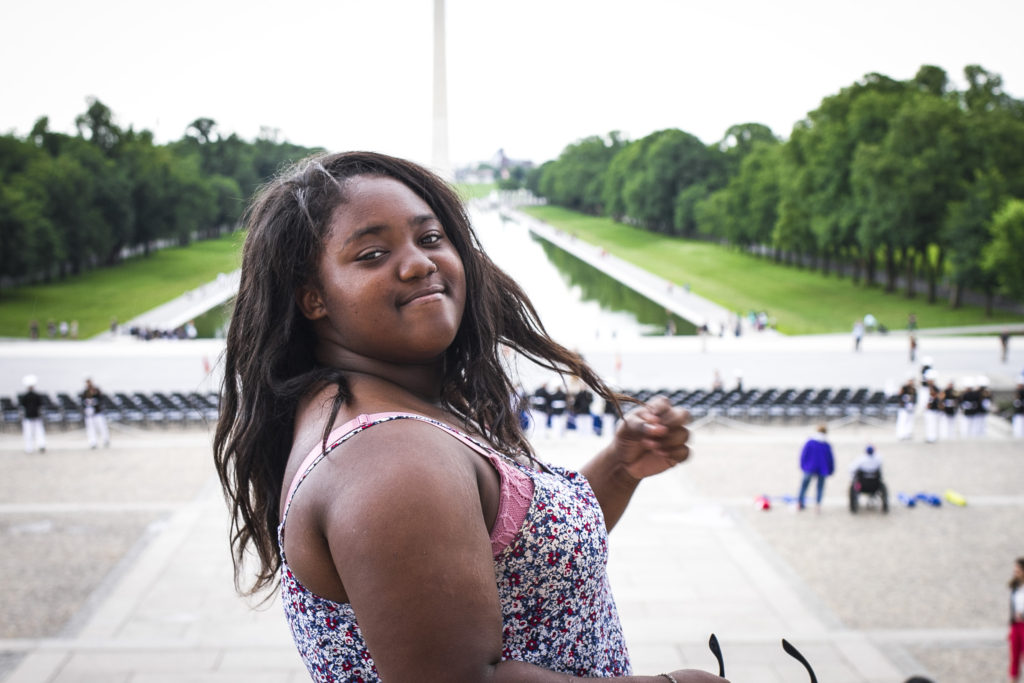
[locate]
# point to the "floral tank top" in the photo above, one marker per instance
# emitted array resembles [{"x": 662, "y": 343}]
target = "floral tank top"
[{"x": 557, "y": 607}]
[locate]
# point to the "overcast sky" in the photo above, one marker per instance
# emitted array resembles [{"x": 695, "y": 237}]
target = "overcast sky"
[{"x": 529, "y": 76}]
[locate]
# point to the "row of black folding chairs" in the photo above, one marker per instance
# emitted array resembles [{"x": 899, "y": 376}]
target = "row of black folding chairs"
[
  {"x": 160, "y": 408},
  {"x": 779, "y": 404},
  {"x": 155, "y": 408}
]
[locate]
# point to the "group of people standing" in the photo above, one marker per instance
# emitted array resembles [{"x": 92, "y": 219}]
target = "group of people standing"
[
  {"x": 948, "y": 412},
  {"x": 33, "y": 425},
  {"x": 54, "y": 330},
  {"x": 558, "y": 411}
]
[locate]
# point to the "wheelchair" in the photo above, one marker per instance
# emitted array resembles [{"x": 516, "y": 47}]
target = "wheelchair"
[{"x": 871, "y": 485}]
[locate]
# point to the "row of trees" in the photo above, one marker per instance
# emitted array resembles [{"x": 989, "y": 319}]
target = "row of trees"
[
  {"x": 73, "y": 202},
  {"x": 890, "y": 181}
]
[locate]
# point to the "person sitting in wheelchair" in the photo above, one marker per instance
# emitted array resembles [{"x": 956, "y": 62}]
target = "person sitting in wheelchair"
[{"x": 867, "y": 479}]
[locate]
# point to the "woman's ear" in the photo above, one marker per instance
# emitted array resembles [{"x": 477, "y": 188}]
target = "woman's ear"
[{"x": 310, "y": 303}]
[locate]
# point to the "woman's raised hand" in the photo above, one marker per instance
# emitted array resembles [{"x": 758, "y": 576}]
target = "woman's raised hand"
[{"x": 652, "y": 438}]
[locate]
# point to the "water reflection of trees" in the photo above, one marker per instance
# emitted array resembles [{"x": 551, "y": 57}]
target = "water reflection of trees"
[
  {"x": 608, "y": 292},
  {"x": 214, "y": 323}
]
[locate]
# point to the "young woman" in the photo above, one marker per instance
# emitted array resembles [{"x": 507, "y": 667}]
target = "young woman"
[
  {"x": 1016, "y": 636},
  {"x": 372, "y": 456}
]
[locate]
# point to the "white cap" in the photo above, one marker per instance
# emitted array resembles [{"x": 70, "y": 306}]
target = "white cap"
[
  {"x": 930, "y": 374},
  {"x": 29, "y": 380}
]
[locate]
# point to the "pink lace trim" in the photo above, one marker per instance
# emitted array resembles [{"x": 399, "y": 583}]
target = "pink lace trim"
[{"x": 514, "y": 502}]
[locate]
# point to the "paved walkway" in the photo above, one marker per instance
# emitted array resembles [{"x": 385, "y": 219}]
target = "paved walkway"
[
  {"x": 186, "y": 307},
  {"x": 692, "y": 556}
]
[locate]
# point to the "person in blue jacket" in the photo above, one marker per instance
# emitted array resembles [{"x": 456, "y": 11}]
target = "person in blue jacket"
[{"x": 816, "y": 461}]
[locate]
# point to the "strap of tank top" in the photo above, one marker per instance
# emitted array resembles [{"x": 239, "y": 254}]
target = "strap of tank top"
[{"x": 360, "y": 423}]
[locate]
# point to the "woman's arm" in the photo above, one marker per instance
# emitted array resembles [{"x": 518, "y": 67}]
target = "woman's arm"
[
  {"x": 649, "y": 440},
  {"x": 407, "y": 535}
]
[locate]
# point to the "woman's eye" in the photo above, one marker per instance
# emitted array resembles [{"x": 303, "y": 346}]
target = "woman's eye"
[
  {"x": 432, "y": 238},
  {"x": 370, "y": 255}
]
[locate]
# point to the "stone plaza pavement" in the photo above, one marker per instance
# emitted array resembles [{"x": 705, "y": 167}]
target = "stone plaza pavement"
[{"x": 117, "y": 568}]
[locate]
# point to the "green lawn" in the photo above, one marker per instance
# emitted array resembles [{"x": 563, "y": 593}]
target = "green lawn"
[
  {"x": 125, "y": 291},
  {"x": 470, "y": 191},
  {"x": 801, "y": 301}
]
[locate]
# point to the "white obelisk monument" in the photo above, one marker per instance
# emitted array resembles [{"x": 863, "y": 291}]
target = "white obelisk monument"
[{"x": 440, "y": 161}]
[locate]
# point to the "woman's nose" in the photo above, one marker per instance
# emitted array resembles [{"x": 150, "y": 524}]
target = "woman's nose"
[{"x": 415, "y": 264}]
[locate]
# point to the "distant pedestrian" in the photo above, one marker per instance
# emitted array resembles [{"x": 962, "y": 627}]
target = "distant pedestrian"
[
  {"x": 980, "y": 423},
  {"x": 906, "y": 404},
  {"x": 716, "y": 382},
  {"x": 558, "y": 410},
  {"x": 970, "y": 401},
  {"x": 1004, "y": 343},
  {"x": 583, "y": 417},
  {"x": 913, "y": 348},
  {"x": 816, "y": 462},
  {"x": 1018, "y": 409},
  {"x": 32, "y": 417},
  {"x": 858, "y": 334},
  {"x": 950, "y": 408},
  {"x": 1016, "y": 636},
  {"x": 911, "y": 322},
  {"x": 932, "y": 412},
  {"x": 33, "y": 329},
  {"x": 96, "y": 429},
  {"x": 540, "y": 409}
]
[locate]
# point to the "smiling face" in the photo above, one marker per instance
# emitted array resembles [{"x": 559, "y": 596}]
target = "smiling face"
[{"x": 391, "y": 285}]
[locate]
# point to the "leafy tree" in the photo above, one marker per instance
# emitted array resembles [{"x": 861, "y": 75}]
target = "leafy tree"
[
  {"x": 664, "y": 164},
  {"x": 202, "y": 130},
  {"x": 792, "y": 236},
  {"x": 740, "y": 140},
  {"x": 97, "y": 125},
  {"x": 927, "y": 164},
  {"x": 984, "y": 90},
  {"x": 623, "y": 171},
  {"x": 576, "y": 179},
  {"x": 1001, "y": 257},
  {"x": 686, "y": 214},
  {"x": 967, "y": 225},
  {"x": 932, "y": 80},
  {"x": 745, "y": 211}
]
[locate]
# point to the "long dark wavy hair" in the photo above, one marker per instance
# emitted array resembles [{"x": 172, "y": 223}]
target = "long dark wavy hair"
[
  {"x": 1014, "y": 581},
  {"x": 269, "y": 360}
]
